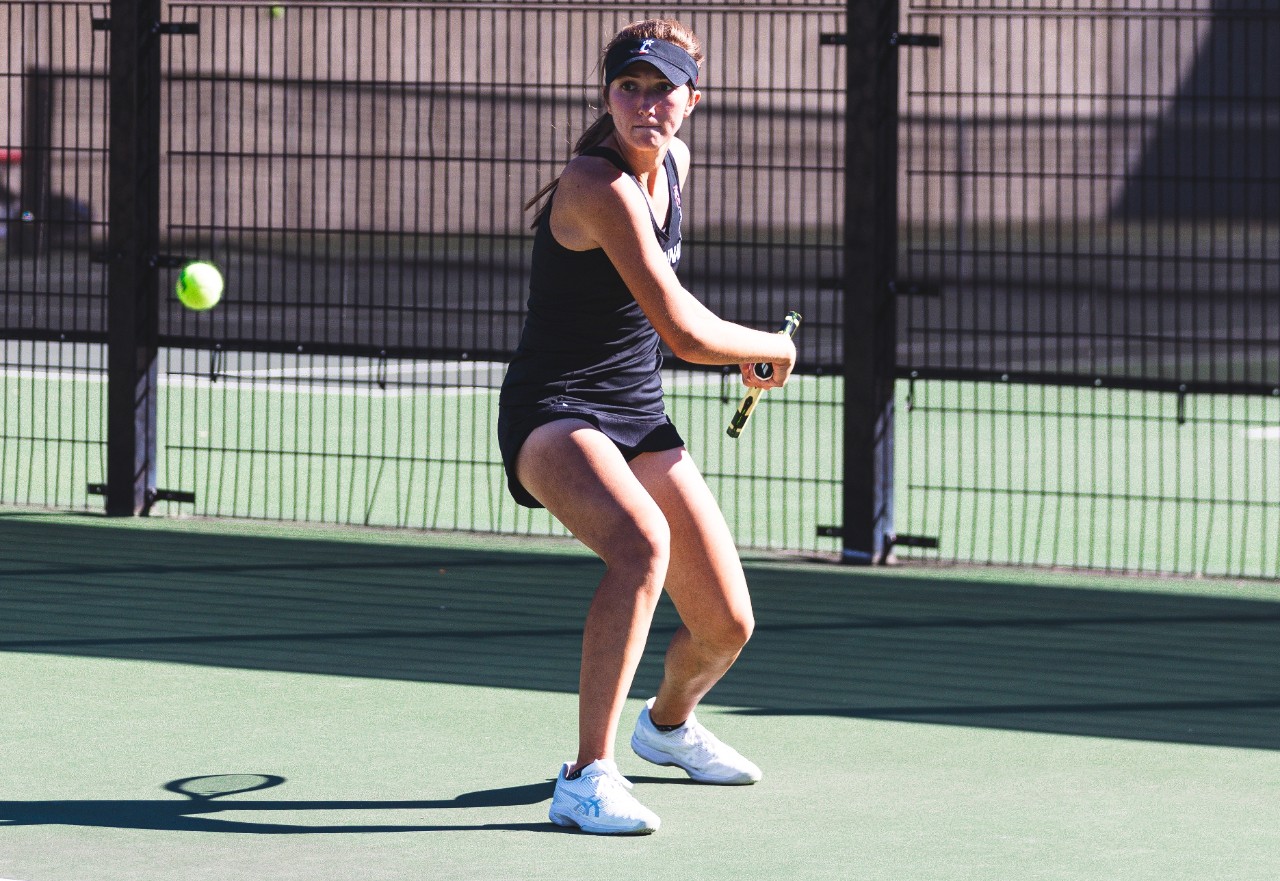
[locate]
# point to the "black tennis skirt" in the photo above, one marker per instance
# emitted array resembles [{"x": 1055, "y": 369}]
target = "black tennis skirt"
[{"x": 631, "y": 435}]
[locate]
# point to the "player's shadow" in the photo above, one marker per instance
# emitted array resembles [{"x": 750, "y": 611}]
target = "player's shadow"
[{"x": 191, "y": 813}]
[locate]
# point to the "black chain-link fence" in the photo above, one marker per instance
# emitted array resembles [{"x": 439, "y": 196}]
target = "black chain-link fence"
[
  {"x": 1090, "y": 198},
  {"x": 1087, "y": 285},
  {"x": 358, "y": 170}
]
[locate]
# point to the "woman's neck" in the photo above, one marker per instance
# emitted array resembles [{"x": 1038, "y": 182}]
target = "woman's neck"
[{"x": 644, "y": 165}]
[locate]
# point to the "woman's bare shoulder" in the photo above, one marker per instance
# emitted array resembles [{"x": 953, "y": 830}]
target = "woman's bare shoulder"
[
  {"x": 589, "y": 173},
  {"x": 593, "y": 201},
  {"x": 591, "y": 181}
]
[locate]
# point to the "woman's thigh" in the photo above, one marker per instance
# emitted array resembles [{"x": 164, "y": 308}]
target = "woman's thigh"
[
  {"x": 583, "y": 480},
  {"x": 705, "y": 578}
]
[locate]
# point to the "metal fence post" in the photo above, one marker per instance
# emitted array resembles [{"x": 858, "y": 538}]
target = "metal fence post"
[
  {"x": 870, "y": 258},
  {"x": 133, "y": 218}
]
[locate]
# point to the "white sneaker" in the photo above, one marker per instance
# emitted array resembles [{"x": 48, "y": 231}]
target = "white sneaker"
[
  {"x": 599, "y": 800},
  {"x": 693, "y": 748}
]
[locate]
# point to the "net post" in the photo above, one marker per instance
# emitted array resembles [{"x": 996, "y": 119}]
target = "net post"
[
  {"x": 133, "y": 233},
  {"x": 870, "y": 264}
]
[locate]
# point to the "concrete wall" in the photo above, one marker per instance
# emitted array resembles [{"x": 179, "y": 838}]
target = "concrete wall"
[
  {"x": 435, "y": 119},
  {"x": 444, "y": 119}
]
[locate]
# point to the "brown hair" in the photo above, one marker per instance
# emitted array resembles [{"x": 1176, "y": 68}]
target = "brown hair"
[{"x": 668, "y": 30}]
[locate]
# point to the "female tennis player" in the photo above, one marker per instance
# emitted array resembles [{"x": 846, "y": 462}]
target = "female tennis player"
[{"x": 584, "y": 434}]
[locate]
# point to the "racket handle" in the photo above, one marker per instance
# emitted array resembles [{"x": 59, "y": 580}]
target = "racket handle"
[
  {"x": 763, "y": 370},
  {"x": 739, "y": 420}
]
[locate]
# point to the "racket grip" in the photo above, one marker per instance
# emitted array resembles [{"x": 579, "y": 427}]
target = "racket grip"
[{"x": 764, "y": 370}]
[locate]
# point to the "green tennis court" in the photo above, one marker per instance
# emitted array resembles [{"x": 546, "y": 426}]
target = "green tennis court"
[{"x": 410, "y": 695}]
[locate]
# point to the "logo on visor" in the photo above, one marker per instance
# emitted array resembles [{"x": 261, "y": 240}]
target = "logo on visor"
[{"x": 644, "y": 47}]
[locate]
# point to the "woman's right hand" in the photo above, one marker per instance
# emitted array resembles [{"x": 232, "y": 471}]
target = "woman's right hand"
[{"x": 781, "y": 369}]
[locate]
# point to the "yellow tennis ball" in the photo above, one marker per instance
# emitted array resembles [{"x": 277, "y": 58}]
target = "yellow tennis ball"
[
  {"x": 276, "y": 12},
  {"x": 199, "y": 286}
]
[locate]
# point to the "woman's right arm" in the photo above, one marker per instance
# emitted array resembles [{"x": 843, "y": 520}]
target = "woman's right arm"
[{"x": 597, "y": 206}]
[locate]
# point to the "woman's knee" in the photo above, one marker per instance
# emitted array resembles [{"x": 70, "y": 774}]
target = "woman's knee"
[
  {"x": 640, "y": 545},
  {"x": 738, "y": 629},
  {"x": 726, "y": 633}
]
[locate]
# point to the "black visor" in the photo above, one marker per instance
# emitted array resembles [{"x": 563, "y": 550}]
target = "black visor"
[{"x": 671, "y": 61}]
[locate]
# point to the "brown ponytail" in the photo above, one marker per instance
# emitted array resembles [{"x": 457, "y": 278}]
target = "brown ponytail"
[{"x": 667, "y": 30}]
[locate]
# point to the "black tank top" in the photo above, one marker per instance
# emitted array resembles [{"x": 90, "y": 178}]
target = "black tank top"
[{"x": 586, "y": 341}]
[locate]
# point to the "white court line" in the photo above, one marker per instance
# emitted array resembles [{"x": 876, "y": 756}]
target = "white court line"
[
  {"x": 354, "y": 371},
  {"x": 343, "y": 388},
  {"x": 247, "y": 380},
  {"x": 68, "y": 375},
  {"x": 343, "y": 384},
  {"x": 1270, "y": 433}
]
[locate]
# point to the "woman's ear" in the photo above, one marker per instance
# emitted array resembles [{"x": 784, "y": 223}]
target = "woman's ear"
[{"x": 694, "y": 97}]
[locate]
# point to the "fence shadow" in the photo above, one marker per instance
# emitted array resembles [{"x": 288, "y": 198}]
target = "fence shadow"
[
  {"x": 1209, "y": 154},
  {"x": 964, "y": 650}
]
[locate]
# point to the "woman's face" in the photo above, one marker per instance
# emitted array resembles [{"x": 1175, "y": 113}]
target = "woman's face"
[{"x": 647, "y": 109}]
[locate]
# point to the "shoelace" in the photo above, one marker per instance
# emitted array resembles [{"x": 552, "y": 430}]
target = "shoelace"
[
  {"x": 707, "y": 747},
  {"x": 616, "y": 792},
  {"x": 616, "y": 776},
  {"x": 700, "y": 736}
]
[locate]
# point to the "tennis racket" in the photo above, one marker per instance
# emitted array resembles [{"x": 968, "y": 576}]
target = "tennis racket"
[{"x": 764, "y": 371}]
